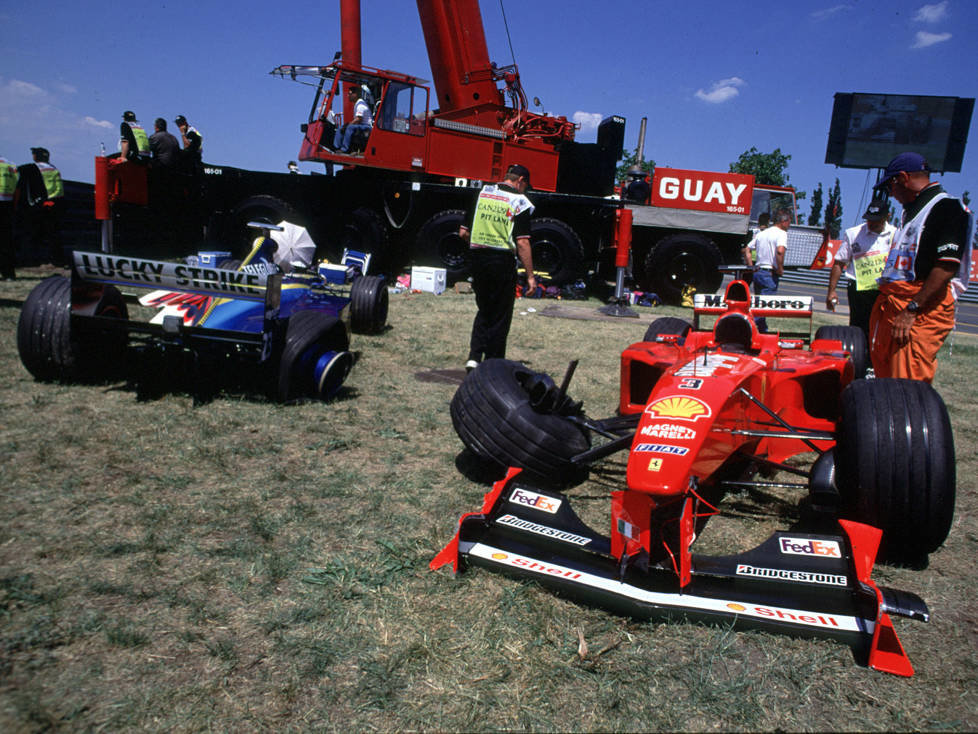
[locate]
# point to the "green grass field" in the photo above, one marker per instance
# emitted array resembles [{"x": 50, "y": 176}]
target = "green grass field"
[{"x": 244, "y": 566}]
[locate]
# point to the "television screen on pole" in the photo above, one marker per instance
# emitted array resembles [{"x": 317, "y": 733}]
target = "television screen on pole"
[{"x": 868, "y": 130}]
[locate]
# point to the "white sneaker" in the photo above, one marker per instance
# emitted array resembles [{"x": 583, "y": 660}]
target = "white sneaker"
[{"x": 471, "y": 365}]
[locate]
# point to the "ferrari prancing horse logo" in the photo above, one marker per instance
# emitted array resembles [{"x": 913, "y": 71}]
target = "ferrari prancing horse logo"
[{"x": 680, "y": 407}]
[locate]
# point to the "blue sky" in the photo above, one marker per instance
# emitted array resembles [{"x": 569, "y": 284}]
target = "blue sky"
[{"x": 713, "y": 78}]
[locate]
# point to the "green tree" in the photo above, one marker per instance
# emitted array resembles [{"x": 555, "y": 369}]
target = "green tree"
[
  {"x": 621, "y": 173},
  {"x": 766, "y": 168},
  {"x": 833, "y": 211},
  {"x": 815, "y": 215}
]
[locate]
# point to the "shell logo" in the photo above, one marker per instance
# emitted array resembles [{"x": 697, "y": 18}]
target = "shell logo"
[
  {"x": 499, "y": 556},
  {"x": 736, "y": 607},
  {"x": 680, "y": 407}
]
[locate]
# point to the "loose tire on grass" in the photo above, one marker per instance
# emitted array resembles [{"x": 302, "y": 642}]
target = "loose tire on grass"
[
  {"x": 369, "y": 301},
  {"x": 667, "y": 326},
  {"x": 492, "y": 415},
  {"x": 310, "y": 334},
  {"x": 853, "y": 341},
  {"x": 896, "y": 465},
  {"x": 52, "y": 352}
]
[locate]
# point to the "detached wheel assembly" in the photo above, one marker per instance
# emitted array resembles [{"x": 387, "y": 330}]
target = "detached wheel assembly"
[
  {"x": 507, "y": 413},
  {"x": 315, "y": 360}
]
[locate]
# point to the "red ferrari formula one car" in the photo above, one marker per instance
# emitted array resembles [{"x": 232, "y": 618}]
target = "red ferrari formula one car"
[{"x": 702, "y": 411}]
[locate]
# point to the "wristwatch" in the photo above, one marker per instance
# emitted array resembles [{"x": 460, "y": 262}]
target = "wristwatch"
[{"x": 913, "y": 307}]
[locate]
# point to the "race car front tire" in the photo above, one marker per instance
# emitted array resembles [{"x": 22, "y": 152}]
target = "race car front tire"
[
  {"x": 667, "y": 326},
  {"x": 492, "y": 414},
  {"x": 369, "y": 301},
  {"x": 52, "y": 352},
  {"x": 314, "y": 343},
  {"x": 895, "y": 464},
  {"x": 853, "y": 341}
]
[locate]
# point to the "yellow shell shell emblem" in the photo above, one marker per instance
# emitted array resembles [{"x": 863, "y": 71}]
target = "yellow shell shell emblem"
[{"x": 682, "y": 407}]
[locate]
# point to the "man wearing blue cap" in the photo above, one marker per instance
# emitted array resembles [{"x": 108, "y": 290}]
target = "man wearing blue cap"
[{"x": 928, "y": 265}]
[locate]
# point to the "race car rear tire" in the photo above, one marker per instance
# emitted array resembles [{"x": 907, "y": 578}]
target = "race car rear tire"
[
  {"x": 667, "y": 326},
  {"x": 369, "y": 301},
  {"x": 895, "y": 464},
  {"x": 853, "y": 341},
  {"x": 438, "y": 245},
  {"x": 557, "y": 251},
  {"x": 681, "y": 260},
  {"x": 310, "y": 336},
  {"x": 51, "y": 351},
  {"x": 492, "y": 414}
]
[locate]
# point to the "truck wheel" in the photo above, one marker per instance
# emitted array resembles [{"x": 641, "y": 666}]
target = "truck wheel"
[
  {"x": 52, "y": 352},
  {"x": 368, "y": 304},
  {"x": 365, "y": 231},
  {"x": 557, "y": 250},
  {"x": 667, "y": 326},
  {"x": 853, "y": 341},
  {"x": 439, "y": 246},
  {"x": 240, "y": 236},
  {"x": 315, "y": 360},
  {"x": 895, "y": 464},
  {"x": 681, "y": 260},
  {"x": 492, "y": 414}
]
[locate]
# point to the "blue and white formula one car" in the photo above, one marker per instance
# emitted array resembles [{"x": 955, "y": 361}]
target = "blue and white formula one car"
[{"x": 283, "y": 334}]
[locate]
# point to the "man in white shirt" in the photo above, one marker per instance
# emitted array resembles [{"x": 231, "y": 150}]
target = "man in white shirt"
[
  {"x": 771, "y": 244},
  {"x": 861, "y": 257},
  {"x": 363, "y": 119}
]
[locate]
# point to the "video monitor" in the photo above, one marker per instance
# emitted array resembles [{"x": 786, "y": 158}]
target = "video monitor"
[{"x": 868, "y": 130}]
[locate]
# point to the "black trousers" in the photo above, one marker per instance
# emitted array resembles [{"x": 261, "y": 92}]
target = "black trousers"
[
  {"x": 494, "y": 284},
  {"x": 7, "y": 250},
  {"x": 860, "y": 306}
]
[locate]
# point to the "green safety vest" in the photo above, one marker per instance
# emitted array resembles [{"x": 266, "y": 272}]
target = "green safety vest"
[
  {"x": 495, "y": 210},
  {"x": 52, "y": 180},
  {"x": 142, "y": 140},
  {"x": 8, "y": 179}
]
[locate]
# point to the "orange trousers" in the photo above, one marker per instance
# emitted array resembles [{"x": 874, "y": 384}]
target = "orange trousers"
[{"x": 917, "y": 359}]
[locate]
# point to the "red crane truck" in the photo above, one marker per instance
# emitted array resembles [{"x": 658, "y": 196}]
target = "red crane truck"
[{"x": 403, "y": 187}]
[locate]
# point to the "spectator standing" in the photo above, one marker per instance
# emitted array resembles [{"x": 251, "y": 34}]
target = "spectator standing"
[
  {"x": 928, "y": 265},
  {"x": 8, "y": 184},
  {"x": 164, "y": 146},
  {"x": 772, "y": 244},
  {"x": 133, "y": 141},
  {"x": 193, "y": 145},
  {"x": 750, "y": 249},
  {"x": 861, "y": 256},
  {"x": 40, "y": 191},
  {"x": 499, "y": 231}
]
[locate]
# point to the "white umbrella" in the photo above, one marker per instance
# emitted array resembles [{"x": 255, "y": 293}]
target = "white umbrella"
[{"x": 295, "y": 247}]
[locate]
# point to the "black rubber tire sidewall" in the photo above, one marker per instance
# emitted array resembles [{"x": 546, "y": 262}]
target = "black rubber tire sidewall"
[
  {"x": 896, "y": 463},
  {"x": 557, "y": 251},
  {"x": 680, "y": 260},
  {"x": 369, "y": 302},
  {"x": 438, "y": 245},
  {"x": 305, "y": 329},
  {"x": 853, "y": 341},
  {"x": 493, "y": 417}
]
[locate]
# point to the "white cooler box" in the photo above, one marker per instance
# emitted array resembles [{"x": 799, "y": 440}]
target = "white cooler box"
[{"x": 431, "y": 280}]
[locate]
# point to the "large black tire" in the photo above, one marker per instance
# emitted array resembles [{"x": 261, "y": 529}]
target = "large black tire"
[
  {"x": 681, "y": 260},
  {"x": 557, "y": 250},
  {"x": 492, "y": 414},
  {"x": 51, "y": 351},
  {"x": 853, "y": 341},
  {"x": 369, "y": 302},
  {"x": 239, "y": 236},
  {"x": 309, "y": 335},
  {"x": 439, "y": 246},
  {"x": 896, "y": 465},
  {"x": 667, "y": 326},
  {"x": 366, "y": 231}
]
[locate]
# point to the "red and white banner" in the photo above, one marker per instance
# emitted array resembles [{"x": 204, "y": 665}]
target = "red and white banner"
[{"x": 727, "y": 193}]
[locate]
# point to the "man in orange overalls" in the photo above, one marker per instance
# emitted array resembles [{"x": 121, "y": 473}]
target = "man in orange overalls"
[{"x": 928, "y": 265}]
